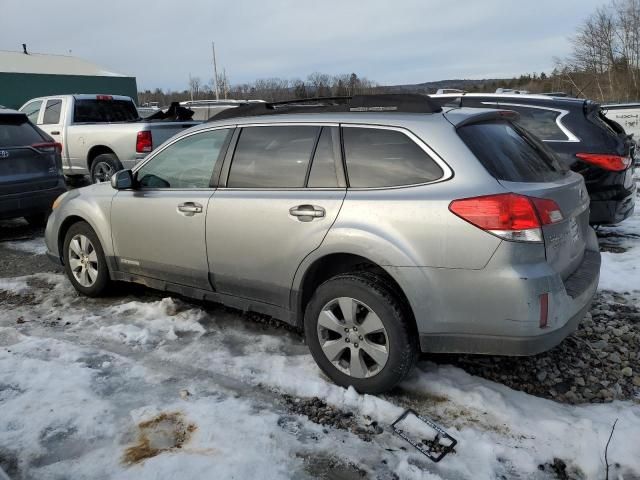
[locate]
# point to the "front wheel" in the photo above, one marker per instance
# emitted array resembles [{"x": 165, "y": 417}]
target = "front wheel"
[
  {"x": 84, "y": 260},
  {"x": 359, "y": 333}
]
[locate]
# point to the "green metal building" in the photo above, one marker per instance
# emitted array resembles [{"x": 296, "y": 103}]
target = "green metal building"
[{"x": 27, "y": 75}]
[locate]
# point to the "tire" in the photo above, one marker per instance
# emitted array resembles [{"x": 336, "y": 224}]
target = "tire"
[
  {"x": 103, "y": 167},
  {"x": 80, "y": 257},
  {"x": 366, "y": 293},
  {"x": 75, "y": 180},
  {"x": 38, "y": 220}
]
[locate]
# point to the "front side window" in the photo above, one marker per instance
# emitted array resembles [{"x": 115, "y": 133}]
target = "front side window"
[
  {"x": 187, "y": 163},
  {"x": 377, "y": 157},
  {"x": 272, "y": 157},
  {"x": 52, "y": 112},
  {"x": 31, "y": 110}
]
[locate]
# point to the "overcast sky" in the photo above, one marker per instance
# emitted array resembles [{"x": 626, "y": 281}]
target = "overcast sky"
[{"x": 161, "y": 42}]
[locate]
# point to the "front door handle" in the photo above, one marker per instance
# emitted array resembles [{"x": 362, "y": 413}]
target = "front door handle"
[
  {"x": 190, "y": 208},
  {"x": 55, "y": 132},
  {"x": 306, "y": 213}
]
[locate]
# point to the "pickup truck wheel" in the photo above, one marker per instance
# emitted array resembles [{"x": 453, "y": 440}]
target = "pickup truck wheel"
[
  {"x": 359, "y": 333},
  {"x": 84, "y": 260},
  {"x": 103, "y": 167}
]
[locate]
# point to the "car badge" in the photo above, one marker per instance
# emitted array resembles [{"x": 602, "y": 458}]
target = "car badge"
[{"x": 4, "y": 154}]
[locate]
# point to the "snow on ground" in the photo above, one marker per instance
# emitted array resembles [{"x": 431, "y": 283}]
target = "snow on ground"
[
  {"x": 71, "y": 398},
  {"x": 35, "y": 245}
]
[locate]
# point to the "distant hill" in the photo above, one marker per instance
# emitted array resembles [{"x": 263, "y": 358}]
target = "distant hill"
[{"x": 484, "y": 85}]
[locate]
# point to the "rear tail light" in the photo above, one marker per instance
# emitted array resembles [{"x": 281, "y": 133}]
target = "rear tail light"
[
  {"x": 48, "y": 147},
  {"x": 508, "y": 215},
  {"x": 613, "y": 163},
  {"x": 144, "y": 142}
]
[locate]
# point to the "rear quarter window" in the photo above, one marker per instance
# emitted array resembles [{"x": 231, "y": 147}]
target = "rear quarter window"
[
  {"x": 509, "y": 153},
  {"x": 541, "y": 122},
  {"x": 377, "y": 157}
]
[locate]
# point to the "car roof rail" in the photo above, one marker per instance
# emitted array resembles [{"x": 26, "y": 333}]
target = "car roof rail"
[{"x": 387, "y": 102}]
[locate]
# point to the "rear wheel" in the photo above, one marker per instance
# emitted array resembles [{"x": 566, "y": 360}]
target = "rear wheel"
[
  {"x": 359, "y": 333},
  {"x": 103, "y": 167},
  {"x": 84, "y": 260}
]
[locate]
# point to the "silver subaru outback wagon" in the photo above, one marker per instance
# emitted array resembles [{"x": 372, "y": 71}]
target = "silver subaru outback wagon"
[{"x": 381, "y": 225}]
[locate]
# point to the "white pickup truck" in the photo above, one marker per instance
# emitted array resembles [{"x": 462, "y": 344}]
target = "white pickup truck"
[{"x": 100, "y": 134}]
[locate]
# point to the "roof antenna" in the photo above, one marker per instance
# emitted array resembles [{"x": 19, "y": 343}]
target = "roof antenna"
[{"x": 24, "y": 49}]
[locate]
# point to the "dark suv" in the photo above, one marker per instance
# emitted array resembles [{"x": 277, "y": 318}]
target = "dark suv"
[
  {"x": 583, "y": 139},
  {"x": 30, "y": 169}
]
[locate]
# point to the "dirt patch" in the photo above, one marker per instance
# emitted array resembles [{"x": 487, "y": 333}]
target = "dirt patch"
[{"x": 164, "y": 432}]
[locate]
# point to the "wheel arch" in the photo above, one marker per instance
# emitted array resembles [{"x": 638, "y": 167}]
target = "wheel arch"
[
  {"x": 315, "y": 271},
  {"x": 71, "y": 220},
  {"x": 98, "y": 150}
]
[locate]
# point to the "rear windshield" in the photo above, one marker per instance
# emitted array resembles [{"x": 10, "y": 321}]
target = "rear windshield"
[
  {"x": 510, "y": 153},
  {"x": 104, "y": 111},
  {"x": 16, "y": 131}
]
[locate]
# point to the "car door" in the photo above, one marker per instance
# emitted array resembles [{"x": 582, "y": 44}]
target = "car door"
[
  {"x": 52, "y": 122},
  {"x": 32, "y": 110},
  {"x": 276, "y": 202},
  {"x": 158, "y": 227}
]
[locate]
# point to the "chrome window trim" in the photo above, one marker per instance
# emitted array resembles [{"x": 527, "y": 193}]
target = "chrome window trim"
[{"x": 571, "y": 138}]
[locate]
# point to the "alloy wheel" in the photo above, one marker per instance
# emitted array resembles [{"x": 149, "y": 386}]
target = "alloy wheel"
[
  {"x": 83, "y": 260},
  {"x": 353, "y": 337},
  {"x": 102, "y": 172}
]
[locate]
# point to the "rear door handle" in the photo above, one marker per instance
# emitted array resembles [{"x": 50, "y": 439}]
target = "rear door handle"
[
  {"x": 306, "y": 213},
  {"x": 55, "y": 132},
  {"x": 190, "y": 208}
]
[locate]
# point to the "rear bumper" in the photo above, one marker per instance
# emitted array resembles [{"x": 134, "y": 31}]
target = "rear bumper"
[
  {"x": 501, "y": 344},
  {"x": 30, "y": 202},
  {"x": 605, "y": 212},
  {"x": 496, "y": 310}
]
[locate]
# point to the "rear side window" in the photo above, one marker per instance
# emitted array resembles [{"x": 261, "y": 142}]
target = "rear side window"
[
  {"x": 104, "y": 111},
  {"x": 509, "y": 153},
  {"x": 16, "y": 131},
  {"x": 52, "y": 112},
  {"x": 540, "y": 122},
  {"x": 272, "y": 157},
  {"x": 377, "y": 157}
]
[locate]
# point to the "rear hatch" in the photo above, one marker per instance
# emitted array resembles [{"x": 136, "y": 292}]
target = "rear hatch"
[
  {"x": 525, "y": 166},
  {"x": 29, "y": 160}
]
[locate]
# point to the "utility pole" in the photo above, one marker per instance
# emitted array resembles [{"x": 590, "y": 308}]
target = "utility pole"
[{"x": 215, "y": 70}]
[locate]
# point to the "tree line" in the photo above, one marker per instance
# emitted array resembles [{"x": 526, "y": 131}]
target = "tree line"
[{"x": 270, "y": 89}]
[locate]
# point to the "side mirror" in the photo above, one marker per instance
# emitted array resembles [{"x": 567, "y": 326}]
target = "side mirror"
[{"x": 122, "y": 180}]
